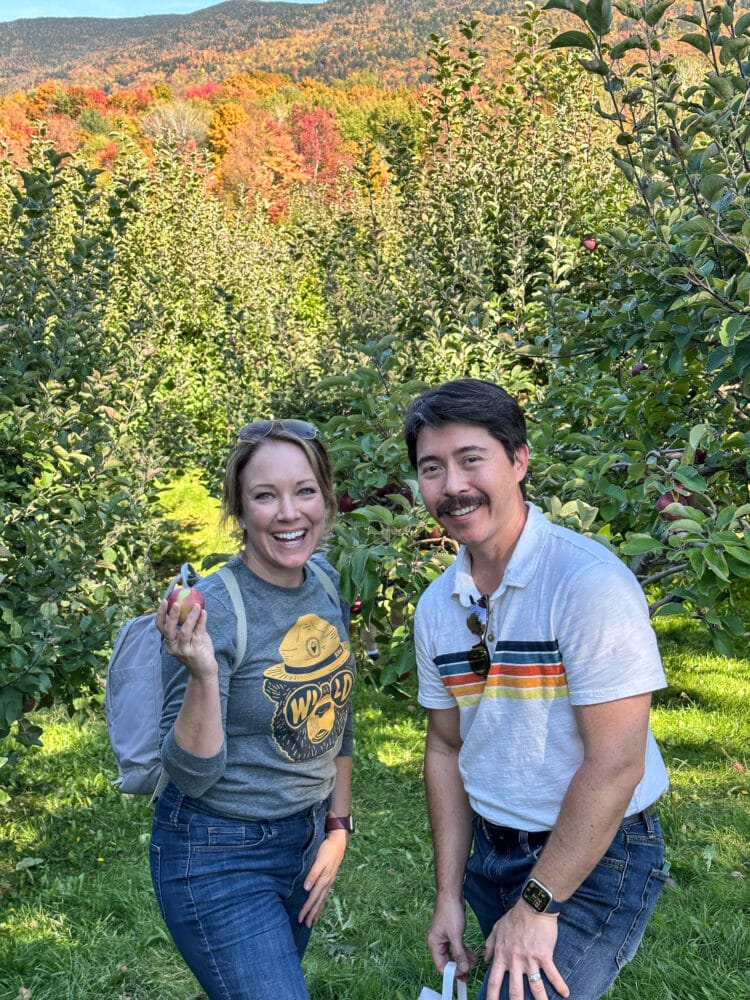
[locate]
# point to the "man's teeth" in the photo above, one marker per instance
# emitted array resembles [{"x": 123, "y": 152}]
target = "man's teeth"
[
  {"x": 288, "y": 536},
  {"x": 464, "y": 510}
]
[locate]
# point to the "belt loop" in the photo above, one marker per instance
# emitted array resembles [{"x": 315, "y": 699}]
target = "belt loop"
[
  {"x": 178, "y": 797},
  {"x": 648, "y": 819}
]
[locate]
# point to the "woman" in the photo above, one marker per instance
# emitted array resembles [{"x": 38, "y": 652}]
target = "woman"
[{"x": 250, "y": 832}]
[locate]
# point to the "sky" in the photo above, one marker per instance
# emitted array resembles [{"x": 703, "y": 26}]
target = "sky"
[{"x": 11, "y": 10}]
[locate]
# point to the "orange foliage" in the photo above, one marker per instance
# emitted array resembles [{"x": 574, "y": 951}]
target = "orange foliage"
[
  {"x": 43, "y": 99},
  {"x": 226, "y": 119},
  {"x": 261, "y": 162}
]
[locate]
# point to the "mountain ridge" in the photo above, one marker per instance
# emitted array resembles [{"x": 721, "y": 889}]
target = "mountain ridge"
[{"x": 330, "y": 40}]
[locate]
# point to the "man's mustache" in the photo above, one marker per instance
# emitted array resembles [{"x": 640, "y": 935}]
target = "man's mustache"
[{"x": 452, "y": 504}]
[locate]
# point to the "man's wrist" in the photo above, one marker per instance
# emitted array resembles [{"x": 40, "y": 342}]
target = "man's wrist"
[{"x": 539, "y": 898}]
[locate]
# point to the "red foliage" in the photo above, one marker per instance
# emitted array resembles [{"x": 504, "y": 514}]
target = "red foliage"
[
  {"x": 203, "y": 92},
  {"x": 319, "y": 144},
  {"x": 108, "y": 153}
]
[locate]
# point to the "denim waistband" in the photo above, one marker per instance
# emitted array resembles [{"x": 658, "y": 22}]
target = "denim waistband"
[{"x": 505, "y": 837}]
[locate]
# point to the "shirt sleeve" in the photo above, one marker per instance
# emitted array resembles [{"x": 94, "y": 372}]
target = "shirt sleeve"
[
  {"x": 607, "y": 643},
  {"x": 192, "y": 774},
  {"x": 432, "y": 692}
]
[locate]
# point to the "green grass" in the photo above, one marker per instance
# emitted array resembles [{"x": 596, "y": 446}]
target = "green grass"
[{"x": 78, "y": 920}]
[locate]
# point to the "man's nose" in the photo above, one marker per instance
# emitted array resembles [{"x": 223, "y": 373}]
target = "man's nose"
[{"x": 455, "y": 481}]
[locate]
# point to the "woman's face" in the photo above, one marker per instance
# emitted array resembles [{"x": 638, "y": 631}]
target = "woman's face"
[{"x": 283, "y": 512}]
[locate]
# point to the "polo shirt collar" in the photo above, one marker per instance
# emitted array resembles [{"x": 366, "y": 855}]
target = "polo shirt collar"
[{"x": 523, "y": 564}]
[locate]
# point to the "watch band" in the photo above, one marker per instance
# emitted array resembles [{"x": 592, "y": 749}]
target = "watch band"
[
  {"x": 340, "y": 823},
  {"x": 539, "y": 898}
]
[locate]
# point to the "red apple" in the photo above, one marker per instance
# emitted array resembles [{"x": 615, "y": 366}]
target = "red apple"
[
  {"x": 638, "y": 367},
  {"x": 186, "y": 598},
  {"x": 701, "y": 455},
  {"x": 391, "y": 487},
  {"x": 590, "y": 243},
  {"x": 346, "y": 503},
  {"x": 29, "y": 704},
  {"x": 356, "y": 608},
  {"x": 674, "y": 496}
]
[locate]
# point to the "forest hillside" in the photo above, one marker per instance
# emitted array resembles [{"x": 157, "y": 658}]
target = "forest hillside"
[{"x": 327, "y": 40}]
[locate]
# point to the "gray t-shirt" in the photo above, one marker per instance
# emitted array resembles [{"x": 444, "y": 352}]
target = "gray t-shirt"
[{"x": 286, "y": 708}]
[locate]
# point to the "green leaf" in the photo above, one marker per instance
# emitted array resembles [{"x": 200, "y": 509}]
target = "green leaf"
[
  {"x": 631, "y": 42},
  {"x": 691, "y": 479},
  {"x": 599, "y": 16},
  {"x": 712, "y": 185},
  {"x": 697, "y": 41},
  {"x": 572, "y": 40},
  {"x": 673, "y": 608},
  {"x": 716, "y": 562},
  {"x": 576, "y": 7},
  {"x": 733, "y": 48},
  {"x": 637, "y": 544},
  {"x": 655, "y": 13}
]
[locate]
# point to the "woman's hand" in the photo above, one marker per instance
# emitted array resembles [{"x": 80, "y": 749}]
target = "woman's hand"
[
  {"x": 320, "y": 878},
  {"x": 190, "y": 643}
]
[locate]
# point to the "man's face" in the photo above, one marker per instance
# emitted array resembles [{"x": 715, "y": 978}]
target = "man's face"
[{"x": 469, "y": 484}]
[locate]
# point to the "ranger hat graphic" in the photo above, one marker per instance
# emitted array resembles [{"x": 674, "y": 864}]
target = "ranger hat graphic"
[{"x": 312, "y": 650}]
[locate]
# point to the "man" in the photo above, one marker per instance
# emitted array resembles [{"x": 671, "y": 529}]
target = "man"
[{"x": 536, "y": 662}]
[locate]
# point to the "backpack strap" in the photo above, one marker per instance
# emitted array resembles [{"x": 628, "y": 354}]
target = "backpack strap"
[
  {"x": 328, "y": 585},
  {"x": 233, "y": 588}
]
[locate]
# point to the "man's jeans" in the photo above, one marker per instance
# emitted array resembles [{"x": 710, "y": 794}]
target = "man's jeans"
[
  {"x": 600, "y": 926},
  {"x": 230, "y": 893}
]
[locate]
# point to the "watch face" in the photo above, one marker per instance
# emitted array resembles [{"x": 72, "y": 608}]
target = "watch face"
[{"x": 536, "y": 896}]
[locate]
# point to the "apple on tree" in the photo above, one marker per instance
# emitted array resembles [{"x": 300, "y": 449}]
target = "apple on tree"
[
  {"x": 186, "y": 598},
  {"x": 589, "y": 243},
  {"x": 676, "y": 495}
]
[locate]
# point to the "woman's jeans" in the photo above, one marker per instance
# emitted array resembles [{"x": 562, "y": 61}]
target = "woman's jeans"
[
  {"x": 230, "y": 893},
  {"x": 600, "y": 926}
]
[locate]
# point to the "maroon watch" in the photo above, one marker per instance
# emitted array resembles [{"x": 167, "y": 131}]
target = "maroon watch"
[{"x": 340, "y": 823}]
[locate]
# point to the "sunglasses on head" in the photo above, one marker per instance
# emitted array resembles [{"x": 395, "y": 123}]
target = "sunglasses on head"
[
  {"x": 478, "y": 622},
  {"x": 262, "y": 428}
]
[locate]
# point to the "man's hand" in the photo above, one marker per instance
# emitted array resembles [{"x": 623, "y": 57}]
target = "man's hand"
[
  {"x": 445, "y": 938},
  {"x": 521, "y": 944}
]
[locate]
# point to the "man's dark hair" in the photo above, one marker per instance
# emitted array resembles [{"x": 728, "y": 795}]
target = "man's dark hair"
[{"x": 468, "y": 401}]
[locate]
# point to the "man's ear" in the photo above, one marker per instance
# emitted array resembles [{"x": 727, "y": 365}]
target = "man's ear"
[{"x": 521, "y": 462}]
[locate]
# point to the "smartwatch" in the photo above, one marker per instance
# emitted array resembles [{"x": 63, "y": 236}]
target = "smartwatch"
[
  {"x": 539, "y": 897},
  {"x": 340, "y": 823}
]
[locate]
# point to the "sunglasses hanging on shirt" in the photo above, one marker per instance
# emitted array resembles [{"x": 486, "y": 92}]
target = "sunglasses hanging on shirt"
[{"x": 478, "y": 623}]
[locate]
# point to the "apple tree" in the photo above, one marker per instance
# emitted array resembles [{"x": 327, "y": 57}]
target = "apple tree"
[
  {"x": 648, "y": 424},
  {"x": 76, "y": 484}
]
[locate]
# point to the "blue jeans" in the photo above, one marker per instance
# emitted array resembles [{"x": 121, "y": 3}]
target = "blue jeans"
[
  {"x": 600, "y": 926},
  {"x": 230, "y": 893}
]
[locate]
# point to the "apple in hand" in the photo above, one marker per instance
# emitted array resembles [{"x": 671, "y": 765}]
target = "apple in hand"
[{"x": 186, "y": 598}]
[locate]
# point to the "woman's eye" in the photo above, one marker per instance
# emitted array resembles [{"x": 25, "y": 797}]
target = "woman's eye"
[
  {"x": 263, "y": 496},
  {"x": 307, "y": 491}
]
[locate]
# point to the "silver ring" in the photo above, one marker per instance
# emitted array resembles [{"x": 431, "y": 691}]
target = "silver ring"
[{"x": 534, "y": 977}]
